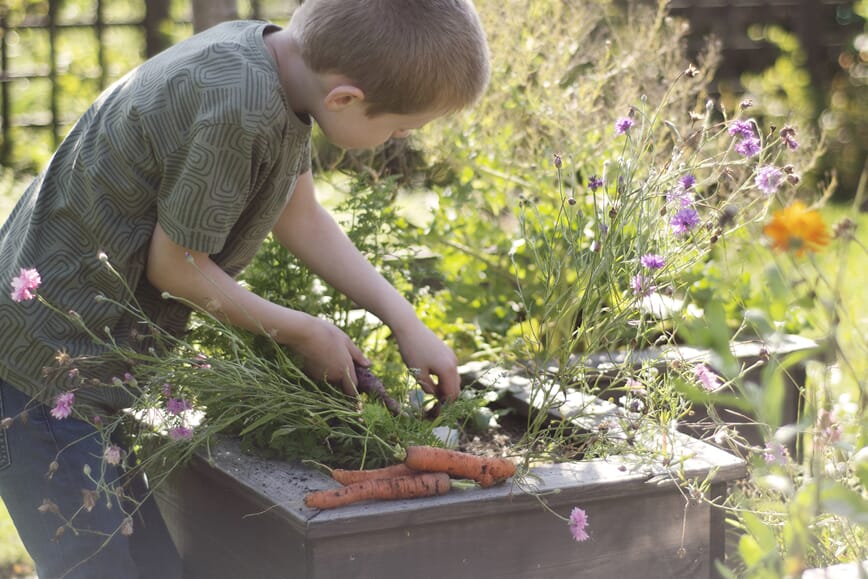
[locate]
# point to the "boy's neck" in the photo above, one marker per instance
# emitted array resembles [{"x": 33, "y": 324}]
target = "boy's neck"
[{"x": 303, "y": 87}]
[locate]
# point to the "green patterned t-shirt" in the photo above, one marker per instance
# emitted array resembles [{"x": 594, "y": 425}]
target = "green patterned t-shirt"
[{"x": 199, "y": 139}]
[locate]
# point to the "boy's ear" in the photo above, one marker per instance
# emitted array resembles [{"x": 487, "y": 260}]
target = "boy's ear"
[{"x": 342, "y": 96}]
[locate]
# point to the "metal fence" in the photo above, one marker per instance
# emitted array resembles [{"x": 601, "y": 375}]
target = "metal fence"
[
  {"x": 823, "y": 27},
  {"x": 151, "y": 30}
]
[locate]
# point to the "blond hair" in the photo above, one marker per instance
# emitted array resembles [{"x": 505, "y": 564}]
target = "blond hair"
[{"x": 407, "y": 56}]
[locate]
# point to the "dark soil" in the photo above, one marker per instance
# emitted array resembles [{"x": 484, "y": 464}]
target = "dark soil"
[{"x": 498, "y": 441}]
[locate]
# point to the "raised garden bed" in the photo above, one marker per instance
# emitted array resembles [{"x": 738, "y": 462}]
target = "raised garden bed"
[
  {"x": 242, "y": 516},
  {"x": 750, "y": 354}
]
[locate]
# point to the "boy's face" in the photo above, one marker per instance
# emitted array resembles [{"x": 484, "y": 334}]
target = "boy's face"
[{"x": 351, "y": 128}]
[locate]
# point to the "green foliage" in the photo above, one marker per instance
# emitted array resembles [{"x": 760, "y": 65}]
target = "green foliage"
[{"x": 560, "y": 92}]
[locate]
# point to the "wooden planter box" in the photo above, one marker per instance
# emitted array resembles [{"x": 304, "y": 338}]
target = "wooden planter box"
[{"x": 242, "y": 516}]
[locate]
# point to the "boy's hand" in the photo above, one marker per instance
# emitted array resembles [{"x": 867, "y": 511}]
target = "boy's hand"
[
  {"x": 330, "y": 354},
  {"x": 426, "y": 356}
]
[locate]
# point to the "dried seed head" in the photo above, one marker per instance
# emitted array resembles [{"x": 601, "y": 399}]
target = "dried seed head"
[
  {"x": 746, "y": 104},
  {"x": 48, "y": 506},
  {"x": 62, "y": 358},
  {"x": 89, "y": 499},
  {"x": 845, "y": 228},
  {"x": 6, "y": 423},
  {"x": 52, "y": 468},
  {"x": 691, "y": 71}
]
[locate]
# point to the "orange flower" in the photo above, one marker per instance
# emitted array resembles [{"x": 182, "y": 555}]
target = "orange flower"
[{"x": 797, "y": 228}]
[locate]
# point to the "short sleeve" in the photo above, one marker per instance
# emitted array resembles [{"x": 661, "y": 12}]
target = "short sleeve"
[{"x": 205, "y": 187}]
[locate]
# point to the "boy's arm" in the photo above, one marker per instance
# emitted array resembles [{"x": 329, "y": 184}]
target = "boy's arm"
[
  {"x": 307, "y": 230},
  {"x": 327, "y": 351}
]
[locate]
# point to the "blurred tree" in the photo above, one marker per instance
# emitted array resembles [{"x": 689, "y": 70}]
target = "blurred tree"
[{"x": 207, "y": 13}]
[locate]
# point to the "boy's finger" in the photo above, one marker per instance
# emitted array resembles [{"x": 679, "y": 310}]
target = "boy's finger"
[{"x": 448, "y": 386}]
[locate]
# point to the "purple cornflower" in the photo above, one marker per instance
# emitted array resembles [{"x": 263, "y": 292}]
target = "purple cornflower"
[
  {"x": 24, "y": 286},
  {"x": 578, "y": 524},
  {"x": 709, "y": 380},
  {"x": 63, "y": 405},
  {"x": 768, "y": 179},
  {"x": 748, "y": 147},
  {"x": 652, "y": 261},
  {"x": 687, "y": 181},
  {"x": 642, "y": 286},
  {"x": 176, "y": 406},
  {"x": 594, "y": 183},
  {"x": 743, "y": 129},
  {"x": 623, "y": 125},
  {"x": 679, "y": 197},
  {"x": 685, "y": 221},
  {"x": 180, "y": 433},
  {"x": 788, "y": 136},
  {"x": 775, "y": 453}
]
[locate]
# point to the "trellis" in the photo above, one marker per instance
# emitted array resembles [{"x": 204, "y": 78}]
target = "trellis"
[
  {"x": 822, "y": 25},
  {"x": 157, "y": 13}
]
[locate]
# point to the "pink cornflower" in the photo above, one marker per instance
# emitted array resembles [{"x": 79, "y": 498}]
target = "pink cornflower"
[
  {"x": 623, "y": 125},
  {"x": 202, "y": 361},
  {"x": 112, "y": 454},
  {"x": 578, "y": 523},
  {"x": 709, "y": 380},
  {"x": 24, "y": 286},
  {"x": 775, "y": 453},
  {"x": 642, "y": 286},
  {"x": 180, "y": 433},
  {"x": 63, "y": 405},
  {"x": 768, "y": 179},
  {"x": 176, "y": 406},
  {"x": 166, "y": 390}
]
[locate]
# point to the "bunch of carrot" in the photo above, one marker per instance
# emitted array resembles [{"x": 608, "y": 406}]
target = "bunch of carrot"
[{"x": 426, "y": 471}]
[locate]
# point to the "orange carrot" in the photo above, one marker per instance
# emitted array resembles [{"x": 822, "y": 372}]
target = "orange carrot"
[
  {"x": 346, "y": 477},
  {"x": 487, "y": 471},
  {"x": 402, "y": 487}
]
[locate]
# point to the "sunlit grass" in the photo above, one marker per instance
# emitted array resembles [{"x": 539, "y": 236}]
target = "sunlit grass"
[
  {"x": 14, "y": 560},
  {"x": 13, "y": 556}
]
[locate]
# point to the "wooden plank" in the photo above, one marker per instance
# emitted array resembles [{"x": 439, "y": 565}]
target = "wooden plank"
[{"x": 651, "y": 536}]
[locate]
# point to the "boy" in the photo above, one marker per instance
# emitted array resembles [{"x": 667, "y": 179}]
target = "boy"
[{"x": 198, "y": 154}]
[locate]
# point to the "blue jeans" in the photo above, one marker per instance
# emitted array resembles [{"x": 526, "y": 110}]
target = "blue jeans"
[{"x": 27, "y": 448}]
